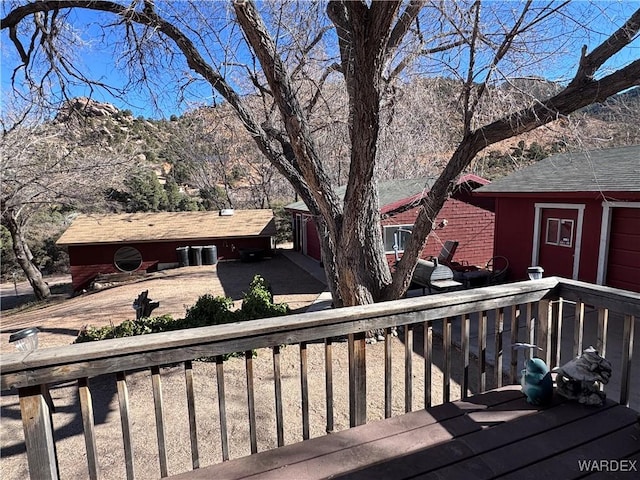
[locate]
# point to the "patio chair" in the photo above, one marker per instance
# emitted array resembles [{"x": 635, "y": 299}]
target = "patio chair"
[
  {"x": 445, "y": 257},
  {"x": 497, "y": 267}
]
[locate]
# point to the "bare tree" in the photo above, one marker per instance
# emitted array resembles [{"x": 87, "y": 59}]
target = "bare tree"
[
  {"x": 279, "y": 49},
  {"x": 46, "y": 165}
]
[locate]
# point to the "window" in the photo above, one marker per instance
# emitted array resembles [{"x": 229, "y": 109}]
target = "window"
[
  {"x": 396, "y": 233},
  {"x": 559, "y": 232},
  {"x": 127, "y": 259}
]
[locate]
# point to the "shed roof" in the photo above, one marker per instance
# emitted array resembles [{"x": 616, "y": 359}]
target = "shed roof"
[
  {"x": 167, "y": 226},
  {"x": 607, "y": 170},
  {"x": 395, "y": 193}
]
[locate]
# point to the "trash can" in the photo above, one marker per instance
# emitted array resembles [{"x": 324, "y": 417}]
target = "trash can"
[
  {"x": 209, "y": 255},
  {"x": 196, "y": 255},
  {"x": 183, "y": 256}
]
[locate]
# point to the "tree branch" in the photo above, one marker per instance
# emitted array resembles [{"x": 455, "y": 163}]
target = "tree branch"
[
  {"x": 589, "y": 64},
  {"x": 295, "y": 123}
]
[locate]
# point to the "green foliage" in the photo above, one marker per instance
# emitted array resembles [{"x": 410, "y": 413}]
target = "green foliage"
[
  {"x": 284, "y": 231},
  {"x": 129, "y": 328},
  {"x": 258, "y": 301},
  {"x": 496, "y": 164},
  {"x": 145, "y": 193},
  {"x": 208, "y": 310},
  {"x": 172, "y": 196},
  {"x": 7, "y": 257},
  {"x": 213, "y": 198},
  {"x": 49, "y": 257}
]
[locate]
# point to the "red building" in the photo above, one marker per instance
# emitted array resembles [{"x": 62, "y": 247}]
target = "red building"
[
  {"x": 464, "y": 218},
  {"x": 576, "y": 215},
  {"x": 133, "y": 242}
]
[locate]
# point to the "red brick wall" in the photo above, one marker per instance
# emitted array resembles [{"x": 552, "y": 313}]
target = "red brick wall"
[{"x": 471, "y": 226}]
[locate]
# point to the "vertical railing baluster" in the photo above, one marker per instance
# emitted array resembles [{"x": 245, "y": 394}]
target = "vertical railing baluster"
[
  {"x": 38, "y": 433},
  {"x": 578, "y": 329},
  {"x": 328, "y": 368},
  {"x": 123, "y": 401},
  {"x": 157, "y": 402},
  {"x": 557, "y": 332},
  {"x": 465, "y": 354},
  {"x": 191, "y": 411},
  {"x": 498, "y": 353},
  {"x": 357, "y": 379},
  {"x": 251, "y": 402},
  {"x": 482, "y": 351},
  {"x": 222, "y": 408},
  {"x": 531, "y": 331},
  {"x": 545, "y": 313},
  {"x": 627, "y": 355},
  {"x": 603, "y": 322},
  {"x": 388, "y": 374},
  {"x": 304, "y": 390},
  {"x": 408, "y": 368},
  {"x": 515, "y": 326},
  {"x": 428, "y": 359},
  {"x": 277, "y": 386},
  {"x": 446, "y": 371},
  {"x": 88, "y": 423}
]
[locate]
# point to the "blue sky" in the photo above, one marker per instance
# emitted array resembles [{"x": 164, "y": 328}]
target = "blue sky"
[{"x": 98, "y": 62}]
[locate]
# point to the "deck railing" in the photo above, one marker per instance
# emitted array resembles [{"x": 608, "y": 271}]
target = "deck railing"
[{"x": 552, "y": 313}]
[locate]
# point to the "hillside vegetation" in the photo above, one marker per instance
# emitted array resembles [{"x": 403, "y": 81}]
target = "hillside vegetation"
[{"x": 205, "y": 159}]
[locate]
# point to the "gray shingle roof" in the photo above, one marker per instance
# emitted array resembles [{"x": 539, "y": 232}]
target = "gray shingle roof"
[
  {"x": 389, "y": 191},
  {"x": 607, "y": 170}
]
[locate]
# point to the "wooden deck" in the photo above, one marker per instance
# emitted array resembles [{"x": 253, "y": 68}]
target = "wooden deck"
[{"x": 495, "y": 434}]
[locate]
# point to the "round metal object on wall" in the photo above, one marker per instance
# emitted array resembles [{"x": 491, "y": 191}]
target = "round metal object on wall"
[{"x": 127, "y": 259}]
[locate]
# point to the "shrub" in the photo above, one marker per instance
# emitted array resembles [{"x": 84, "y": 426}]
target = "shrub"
[
  {"x": 210, "y": 310},
  {"x": 258, "y": 301},
  {"x": 129, "y": 328}
]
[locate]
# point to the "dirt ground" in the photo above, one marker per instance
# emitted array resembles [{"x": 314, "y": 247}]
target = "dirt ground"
[{"x": 175, "y": 290}]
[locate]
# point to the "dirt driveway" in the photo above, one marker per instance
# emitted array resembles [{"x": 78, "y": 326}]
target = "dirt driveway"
[{"x": 175, "y": 290}]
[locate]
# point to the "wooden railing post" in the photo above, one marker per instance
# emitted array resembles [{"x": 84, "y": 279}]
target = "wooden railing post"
[
  {"x": 357, "y": 380},
  {"x": 38, "y": 433}
]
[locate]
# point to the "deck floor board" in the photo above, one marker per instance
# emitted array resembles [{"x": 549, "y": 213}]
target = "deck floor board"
[{"x": 492, "y": 435}]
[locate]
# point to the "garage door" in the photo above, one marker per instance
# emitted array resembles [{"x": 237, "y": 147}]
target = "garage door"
[{"x": 623, "y": 266}]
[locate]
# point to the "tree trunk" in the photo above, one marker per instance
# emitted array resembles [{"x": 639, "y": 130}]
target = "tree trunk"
[{"x": 24, "y": 257}]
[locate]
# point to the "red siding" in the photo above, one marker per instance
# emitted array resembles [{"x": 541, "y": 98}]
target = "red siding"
[
  {"x": 87, "y": 261},
  {"x": 471, "y": 226},
  {"x": 623, "y": 268},
  {"x": 313, "y": 240},
  {"x": 514, "y": 234}
]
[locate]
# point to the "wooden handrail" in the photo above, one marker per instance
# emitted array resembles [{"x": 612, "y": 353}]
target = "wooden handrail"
[
  {"x": 132, "y": 353},
  {"x": 536, "y": 305}
]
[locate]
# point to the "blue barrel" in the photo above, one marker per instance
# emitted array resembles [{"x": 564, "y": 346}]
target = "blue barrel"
[
  {"x": 183, "y": 256},
  {"x": 209, "y": 255}
]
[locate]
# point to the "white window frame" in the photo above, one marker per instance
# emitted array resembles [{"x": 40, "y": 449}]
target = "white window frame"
[
  {"x": 395, "y": 227},
  {"x": 537, "y": 228},
  {"x": 558, "y": 241},
  {"x": 605, "y": 236}
]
